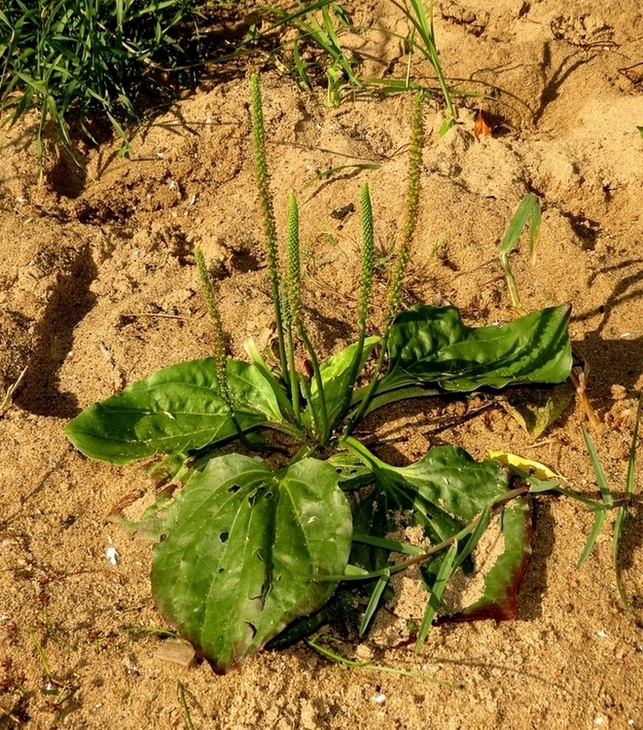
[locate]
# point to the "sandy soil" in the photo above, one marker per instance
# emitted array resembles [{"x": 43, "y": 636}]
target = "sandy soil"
[{"x": 98, "y": 289}]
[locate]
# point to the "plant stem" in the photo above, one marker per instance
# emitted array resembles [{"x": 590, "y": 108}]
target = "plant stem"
[
  {"x": 270, "y": 227},
  {"x": 323, "y": 429}
]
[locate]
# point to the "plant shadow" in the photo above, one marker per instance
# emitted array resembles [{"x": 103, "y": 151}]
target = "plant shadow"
[
  {"x": 72, "y": 299},
  {"x": 617, "y": 361}
]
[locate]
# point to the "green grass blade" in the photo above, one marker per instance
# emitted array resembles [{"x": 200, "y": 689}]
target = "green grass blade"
[
  {"x": 423, "y": 26},
  {"x": 528, "y": 212},
  {"x": 444, "y": 574},
  {"x": 591, "y": 540},
  {"x": 184, "y": 705},
  {"x": 474, "y": 538},
  {"x": 619, "y": 526},
  {"x": 392, "y": 545},
  {"x": 623, "y": 510},
  {"x": 601, "y": 480},
  {"x": 339, "y": 659},
  {"x": 631, "y": 467},
  {"x": 373, "y": 603}
]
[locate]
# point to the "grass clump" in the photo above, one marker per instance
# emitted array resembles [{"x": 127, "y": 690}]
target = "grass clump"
[{"x": 70, "y": 58}]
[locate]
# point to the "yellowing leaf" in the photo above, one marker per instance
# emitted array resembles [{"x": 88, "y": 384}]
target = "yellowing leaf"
[{"x": 533, "y": 467}]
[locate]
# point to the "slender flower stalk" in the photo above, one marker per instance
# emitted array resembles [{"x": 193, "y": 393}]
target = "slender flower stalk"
[
  {"x": 220, "y": 359},
  {"x": 294, "y": 308},
  {"x": 366, "y": 289},
  {"x": 412, "y": 209},
  {"x": 270, "y": 226},
  {"x": 219, "y": 337},
  {"x": 292, "y": 301},
  {"x": 394, "y": 302}
]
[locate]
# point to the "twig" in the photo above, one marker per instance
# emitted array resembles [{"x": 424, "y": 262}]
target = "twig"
[{"x": 11, "y": 390}]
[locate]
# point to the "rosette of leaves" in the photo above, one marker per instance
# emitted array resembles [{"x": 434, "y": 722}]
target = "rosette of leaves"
[{"x": 245, "y": 550}]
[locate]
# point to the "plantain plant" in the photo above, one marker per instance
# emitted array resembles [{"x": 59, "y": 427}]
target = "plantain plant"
[{"x": 264, "y": 529}]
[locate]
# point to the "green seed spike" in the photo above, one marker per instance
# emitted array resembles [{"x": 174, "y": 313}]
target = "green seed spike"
[
  {"x": 366, "y": 289},
  {"x": 368, "y": 259},
  {"x": 220, "y": 360},
  {"x": 270, "y": 227},
  {"x": 294, "y": 309},
  {"x": 294, "y": 271}
]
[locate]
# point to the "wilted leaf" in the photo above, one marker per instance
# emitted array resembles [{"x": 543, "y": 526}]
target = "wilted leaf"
[
  {"x": 499, "y": 599},
  {"x": 535, "y": 468},
  {"x": 480, "y": 127},
  {"x": 536, "y": 409}
]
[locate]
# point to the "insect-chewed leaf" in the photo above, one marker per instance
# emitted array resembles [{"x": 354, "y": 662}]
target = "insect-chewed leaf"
[
  {"x": 242, "y": 549},
  {"x": 433, "y": 345},
  {"x": 177, "y": 409}
]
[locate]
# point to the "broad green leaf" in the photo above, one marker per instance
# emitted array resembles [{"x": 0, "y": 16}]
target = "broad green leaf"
[
  {"x": 243, "y": 546},
  {"x": 336, "y": 373},
  {"x": 176, "y": 410},
  {"x": 351, "y": 473},
  {"x": 445, "y": 491},
  {"x": 433, "y": 345}
]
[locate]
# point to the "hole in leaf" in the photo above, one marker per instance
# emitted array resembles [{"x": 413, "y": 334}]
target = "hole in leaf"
[
  {"x": 268, "y": 495},
  {"x": 252, "y": 628},
  {"x": 163, "y": 538},
  {"x": 234, "y": 489},
  {"x": 221, "y": 570},
  {"x": 224, "y": 536}
]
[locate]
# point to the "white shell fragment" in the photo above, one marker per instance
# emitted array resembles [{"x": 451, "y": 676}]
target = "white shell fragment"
[{"x": 112, "y": 555}]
